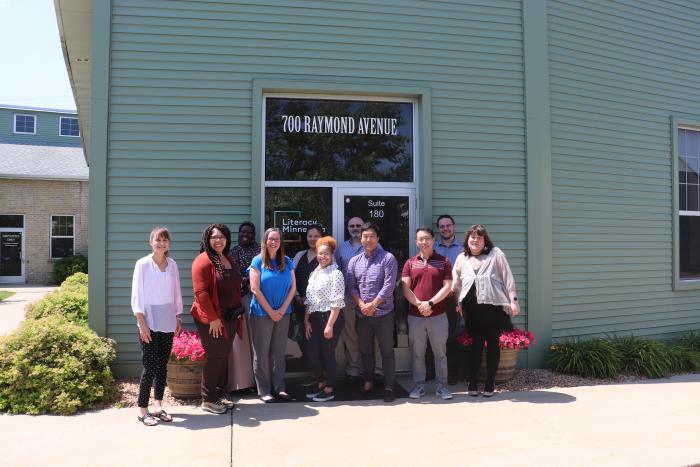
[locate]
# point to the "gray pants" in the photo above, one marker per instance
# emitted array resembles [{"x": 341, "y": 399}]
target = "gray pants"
[
  {"x": 369, "y": 327},
  {"x": 348, "y": 348},
  {"x": 420, "y": 330},
  {"x": 269, "y": 348}
]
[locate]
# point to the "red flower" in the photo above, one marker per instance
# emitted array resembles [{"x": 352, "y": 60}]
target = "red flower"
[{"x": 515, "y": 339}]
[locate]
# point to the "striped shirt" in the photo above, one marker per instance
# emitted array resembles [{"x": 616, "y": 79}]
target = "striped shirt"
[{"x": 372, "y": 277}]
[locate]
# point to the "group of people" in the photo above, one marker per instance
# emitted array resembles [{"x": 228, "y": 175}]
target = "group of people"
[{"x": 245, "y": 296}]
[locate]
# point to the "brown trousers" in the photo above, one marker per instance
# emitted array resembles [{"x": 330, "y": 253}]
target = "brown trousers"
[{"x": 215, "y": 372}]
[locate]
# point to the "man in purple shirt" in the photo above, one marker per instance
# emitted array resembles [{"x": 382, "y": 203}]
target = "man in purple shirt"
[{"x": 371, "y": 280}]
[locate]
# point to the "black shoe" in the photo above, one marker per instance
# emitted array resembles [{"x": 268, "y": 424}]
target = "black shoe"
[
  {"x": 388, "y": 395},
  {"x": 283, "y": 396},
  {"x": 324, "y": 396}
]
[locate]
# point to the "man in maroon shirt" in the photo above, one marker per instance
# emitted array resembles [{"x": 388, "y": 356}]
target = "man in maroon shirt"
[{"x": 427, "y": 281}]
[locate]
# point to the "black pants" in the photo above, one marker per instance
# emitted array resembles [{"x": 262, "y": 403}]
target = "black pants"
[
  {"x": 215, "y": 371},
  {"x": 321, "y": 351},
  {"x": 155, "y": 366},
  {"x": 383, "y": 328},
  {"x": 485, "y": 324}
]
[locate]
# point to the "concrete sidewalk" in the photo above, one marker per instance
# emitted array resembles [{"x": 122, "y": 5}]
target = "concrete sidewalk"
[
  {"x": 12, "y": 308},
  {"x": 654, "y": 423}
]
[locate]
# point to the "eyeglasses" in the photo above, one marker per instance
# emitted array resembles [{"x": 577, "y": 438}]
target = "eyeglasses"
[
  {"x": 354, "y": 225},
  {"x": 217, "y": 237},
  {"x": 273, "y": 239}
]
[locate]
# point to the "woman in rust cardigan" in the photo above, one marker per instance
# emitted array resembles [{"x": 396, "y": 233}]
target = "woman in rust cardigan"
[{"x": 217, "y": 303}]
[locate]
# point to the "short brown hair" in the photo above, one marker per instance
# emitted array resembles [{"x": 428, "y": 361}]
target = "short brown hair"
[
  {"x": 328, "y": 241},
  {"x": 480, "y": 230}
]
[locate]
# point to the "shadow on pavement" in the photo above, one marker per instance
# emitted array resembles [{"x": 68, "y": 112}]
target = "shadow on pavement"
[
  {"x": 251, "y": 415},
  {"x": 197, "y": 421}
]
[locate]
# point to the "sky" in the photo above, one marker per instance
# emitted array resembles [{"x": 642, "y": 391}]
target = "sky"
[{"x": 32, "y": 70}]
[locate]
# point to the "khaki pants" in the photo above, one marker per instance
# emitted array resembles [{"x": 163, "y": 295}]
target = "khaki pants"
[{"x": 348, "y": 350}]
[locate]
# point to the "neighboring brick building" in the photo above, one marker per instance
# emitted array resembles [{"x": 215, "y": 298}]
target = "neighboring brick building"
[{"x": 43, "y": 192}]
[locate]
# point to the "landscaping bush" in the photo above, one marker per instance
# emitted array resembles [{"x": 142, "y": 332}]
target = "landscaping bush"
[
  {"x": 595, "y": 358},
  {"x": 69, "y": 304},
  {"x": 51, "y": 365},
  {"x": 691, "y": 340},
  {"x": 683, "y": 359},
  {"x": 68, "y": 266},
  {"x": 78, "y": 282},
  {"x": 643, "y": 356}
]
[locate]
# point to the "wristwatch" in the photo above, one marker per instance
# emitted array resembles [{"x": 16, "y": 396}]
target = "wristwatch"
[{"x": 430, "y": 303}]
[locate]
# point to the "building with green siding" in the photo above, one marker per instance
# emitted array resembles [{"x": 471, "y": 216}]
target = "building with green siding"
[{"x": 570, "y": 129}]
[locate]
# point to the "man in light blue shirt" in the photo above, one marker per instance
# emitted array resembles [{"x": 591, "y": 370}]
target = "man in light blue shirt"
[{"x": 448, "y": 246}]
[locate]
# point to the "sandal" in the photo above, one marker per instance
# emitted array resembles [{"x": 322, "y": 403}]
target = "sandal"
[
  {"x": 163, "y": 416},
  {"x": 148, "y": 419}
]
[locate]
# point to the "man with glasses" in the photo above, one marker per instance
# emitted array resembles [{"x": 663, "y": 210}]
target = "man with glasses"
[
  {"x": 449, "y": 247},
  {"x": 371, "y": 279},
  {"x": 427, "y": 281},
  {"x": 348, "y": 344}
]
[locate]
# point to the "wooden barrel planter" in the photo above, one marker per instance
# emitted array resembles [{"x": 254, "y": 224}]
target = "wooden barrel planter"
[
  {"x": 185, "y": 378},
  {"x": 506, "y": 366}
]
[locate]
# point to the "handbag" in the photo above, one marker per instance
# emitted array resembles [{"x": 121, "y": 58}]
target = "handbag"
[{"x": 232, "y": 313}]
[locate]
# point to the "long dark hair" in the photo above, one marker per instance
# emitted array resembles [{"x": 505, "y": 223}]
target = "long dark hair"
[
  {"x": 204, "y": 245},
  {"x": 317, "y": 227},
  {"x": 266, "y": 260},
  {"x": 480, "y": 230}
]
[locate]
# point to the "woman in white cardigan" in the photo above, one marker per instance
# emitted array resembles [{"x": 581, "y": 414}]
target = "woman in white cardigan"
[
  {"x": 156, "y": 302},
  {"x": 484, "y": 284}
]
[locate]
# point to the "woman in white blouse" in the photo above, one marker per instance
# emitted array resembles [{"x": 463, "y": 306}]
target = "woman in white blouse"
[
  {"x": 323, "y": 321},
  {"x": 484, "y": 284},
  {"x": 156, "y": 301}
]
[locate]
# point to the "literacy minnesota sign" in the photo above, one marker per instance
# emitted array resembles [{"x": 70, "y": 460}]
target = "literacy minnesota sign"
[{"x": 323, "y": 139}]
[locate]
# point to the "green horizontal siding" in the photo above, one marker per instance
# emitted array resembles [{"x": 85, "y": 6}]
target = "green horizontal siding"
[
  {"x": 46, "y": 126},
  {"x": 618, "y": 71},
  {"x": 181, "y": 111}
]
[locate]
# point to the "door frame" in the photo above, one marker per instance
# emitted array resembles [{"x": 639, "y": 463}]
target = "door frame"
[{"x": 22, "y": 278}]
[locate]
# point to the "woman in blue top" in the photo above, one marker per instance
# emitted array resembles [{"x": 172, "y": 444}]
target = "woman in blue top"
[{"x": 273, "y": 287}]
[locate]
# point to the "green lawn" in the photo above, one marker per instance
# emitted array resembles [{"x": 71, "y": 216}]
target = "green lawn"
[{"x": 4, "y": 294}]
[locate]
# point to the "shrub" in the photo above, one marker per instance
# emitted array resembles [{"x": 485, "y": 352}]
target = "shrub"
[
  {"x": 691, "y": 340},
  {"x": 79, "y": 279},
  {"x": 68, "y": 266},
  {"x": 69, "y": 304},
  {"x": 54, "y": 366},
  {"x": 683, "y": 359},
  {"x": 595, "y": 358},
  {"x": 643, "y": 356}
]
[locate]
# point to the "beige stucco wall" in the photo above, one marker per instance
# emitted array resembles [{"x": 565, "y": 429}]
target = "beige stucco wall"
[{"x": 38, "y": 200}]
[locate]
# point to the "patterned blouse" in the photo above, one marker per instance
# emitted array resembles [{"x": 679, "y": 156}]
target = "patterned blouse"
[
  {"x": 326, "y": 289},
  {"x": 243, "y": 257}
]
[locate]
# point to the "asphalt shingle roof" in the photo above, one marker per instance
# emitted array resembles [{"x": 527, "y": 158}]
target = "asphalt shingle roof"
[{"x": 43, "y": 162}]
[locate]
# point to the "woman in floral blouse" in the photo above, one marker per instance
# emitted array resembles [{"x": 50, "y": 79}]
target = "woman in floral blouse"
[{"x": 323, "y": 322}]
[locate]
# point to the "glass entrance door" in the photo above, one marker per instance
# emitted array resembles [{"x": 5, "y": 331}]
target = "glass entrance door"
[
  {"x": 11, "y": 265},
  {"x": 393, "y": 210}
]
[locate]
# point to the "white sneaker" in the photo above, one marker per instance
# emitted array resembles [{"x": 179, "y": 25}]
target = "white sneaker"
[
  {"x": 443, "y": 393},
  {"x": 417, "y": 392}
]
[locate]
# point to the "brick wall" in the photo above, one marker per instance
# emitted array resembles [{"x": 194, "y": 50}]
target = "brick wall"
[{"x": 38, "y": 200}]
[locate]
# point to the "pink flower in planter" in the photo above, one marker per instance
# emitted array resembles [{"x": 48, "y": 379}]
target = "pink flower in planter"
[
  {"x": 515, "y": 339},
  {"x": 187, "y": 346}
]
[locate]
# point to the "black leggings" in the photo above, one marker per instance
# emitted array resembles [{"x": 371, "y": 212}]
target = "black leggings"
[
  {"x": 320, "y": 351},
  {"x": 155, "y": 362},
  {"x": 484, "y": 323}
]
